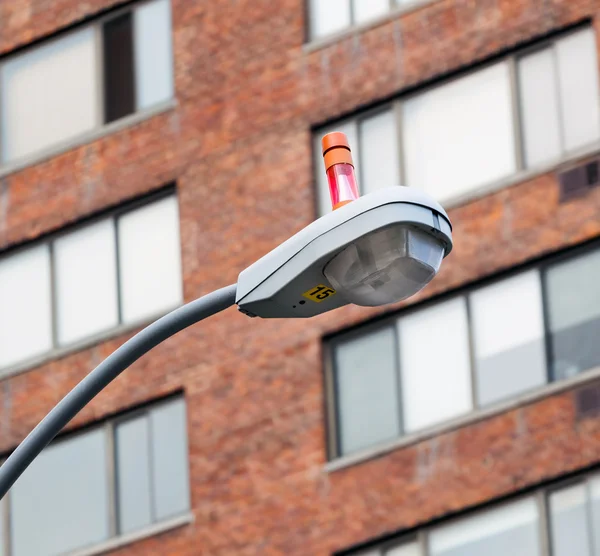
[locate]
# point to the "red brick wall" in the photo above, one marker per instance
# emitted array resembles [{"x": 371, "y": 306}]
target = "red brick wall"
[{"x": 238, "y": 144}]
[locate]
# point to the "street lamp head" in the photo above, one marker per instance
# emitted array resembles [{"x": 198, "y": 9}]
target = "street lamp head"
[{"x": 380, "y": 248}]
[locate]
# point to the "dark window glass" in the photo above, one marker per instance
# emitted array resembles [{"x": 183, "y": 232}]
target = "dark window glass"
[{"x": 119, "y": 84}]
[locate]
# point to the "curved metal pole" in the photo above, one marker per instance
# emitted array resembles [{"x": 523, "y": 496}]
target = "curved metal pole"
[{"x": 104, "y": 374}]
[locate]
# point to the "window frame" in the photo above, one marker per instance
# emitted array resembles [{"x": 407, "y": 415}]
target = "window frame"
[
  {"x": 334, "y": 421},
  {"x": 331, "y": 341},
  {"x": 101, "y": 127},
  {"x": 108, "y": 427},
  {"x": 394, "y": 9},
  {"x": 112, "y": 213},
  {"x": 540, "y": 494},
  {"x": 511, "y": 58}
]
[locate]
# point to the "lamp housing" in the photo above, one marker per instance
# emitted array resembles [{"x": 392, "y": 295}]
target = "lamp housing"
[{"x": 381, "y": 248}]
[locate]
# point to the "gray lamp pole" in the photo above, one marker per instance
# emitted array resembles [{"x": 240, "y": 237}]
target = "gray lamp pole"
[{"x": 104, "y": 374}]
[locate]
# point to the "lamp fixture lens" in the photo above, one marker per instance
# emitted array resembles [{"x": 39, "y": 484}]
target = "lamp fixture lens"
[{"x": 385, "y": 266}]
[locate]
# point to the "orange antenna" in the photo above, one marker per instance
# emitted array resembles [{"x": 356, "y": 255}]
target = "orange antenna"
[{"x": 339, "y": 167}]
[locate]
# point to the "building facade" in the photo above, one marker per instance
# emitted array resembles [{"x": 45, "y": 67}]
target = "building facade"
[{"x": 151, "y": 150}]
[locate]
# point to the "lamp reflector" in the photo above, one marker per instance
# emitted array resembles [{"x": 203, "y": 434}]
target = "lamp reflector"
[{"x": 385, "y": 266}]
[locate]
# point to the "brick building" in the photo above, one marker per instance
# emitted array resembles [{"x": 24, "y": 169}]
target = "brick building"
[{"x": 152, "y": 150}]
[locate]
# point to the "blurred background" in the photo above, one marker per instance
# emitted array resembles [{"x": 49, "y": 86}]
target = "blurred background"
[{"x": 151, "y": 150}]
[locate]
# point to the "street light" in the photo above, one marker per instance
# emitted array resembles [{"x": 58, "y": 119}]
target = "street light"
[{"x": 371, "y": 250}]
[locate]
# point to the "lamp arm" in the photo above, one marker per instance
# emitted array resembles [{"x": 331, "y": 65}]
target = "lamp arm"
[{"x": 105, "y": 373}]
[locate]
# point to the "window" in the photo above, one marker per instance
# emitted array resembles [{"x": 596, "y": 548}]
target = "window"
[
  {"x": 25, "y": 329},
  {"x": 458, "y": 136},
  {"x": 481, "y": 347},
  {"x": 366, "y": 11},
  {"x": 70, "y": 485},
  {"x": 120, "y": 269},
  {"x": 73, "y": 480},
  {"x": 367, "y": 371},
  {"x": 154, "y": 56},
  {"x": 466, "y": 132},
  {"x": 86, "y": 281},
  {"x": 570, "y": 527},
  {"x": 512, "y": 529},
  {"x": 150, "y": 263},
  {"x": 53, "y": 93},
  {"x": 508, "y": 329},
  {"x": 151, "y": 463},
  {"x": 48, "y": 94},
  {"x": 384, "y": 385},
  {"x": 575, "y": 519},
  {"x": 438, "y": 386},
  {"x": 559, "y": 97},
  {"x": 574, "y": 314},
  {"x": 2, "y": 532},
  {"x": 331, "y": 16},
  {"x": 378, "y": 147},
  {"x": 406, "y": 549}
]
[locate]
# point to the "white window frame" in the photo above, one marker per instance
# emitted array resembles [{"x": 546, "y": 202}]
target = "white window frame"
[
  {"x": 101, "y": 128},
  {"x": 57, "y": 349},
  {"x": 521, "y": 172},
  {"x": 115, "y": 539},
  {"x": 394, "y": 9}
]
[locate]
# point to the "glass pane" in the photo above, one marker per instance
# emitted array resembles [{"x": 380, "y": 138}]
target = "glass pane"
[
  {"x": 574, "y": 309},
  {"x": 540, "y": 112},
  {"x": 578, "y": 78},
  {"x": 133, "y": 474},
  {"x": 169, "y": 459},
  {"x": 594, "y": 493},
  {"x": 434, "y": 363},
  {"x": 328, "y": 17},
  {"x": 511, "y": 529},
  {"x": 460, "y": 135},
  {"x": 86, "y": 281},
  {"x": 150, "y": 260},
  {"x": 49, "y": 94},
  {"x": 2, "y": 521},
  {"x": 367, "y": 390},
  {"x": 119, "y": 88},
  {"x": 411, "y": 549},
  {"x": 153, "y": 53},
  {"x": 379, "y": 152},
  {"x": 508, "y": 329},
  {"x": 365, "y": 10},
  {"x": 61, "y": 501},
  {"x": 26, "y": 323},
  {"x": 569, "y": 522},
  {"x": 349, "y": 128}
]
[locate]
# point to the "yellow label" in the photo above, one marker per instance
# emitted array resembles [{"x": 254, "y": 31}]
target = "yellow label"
[{"x": 319, "y": 293}]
